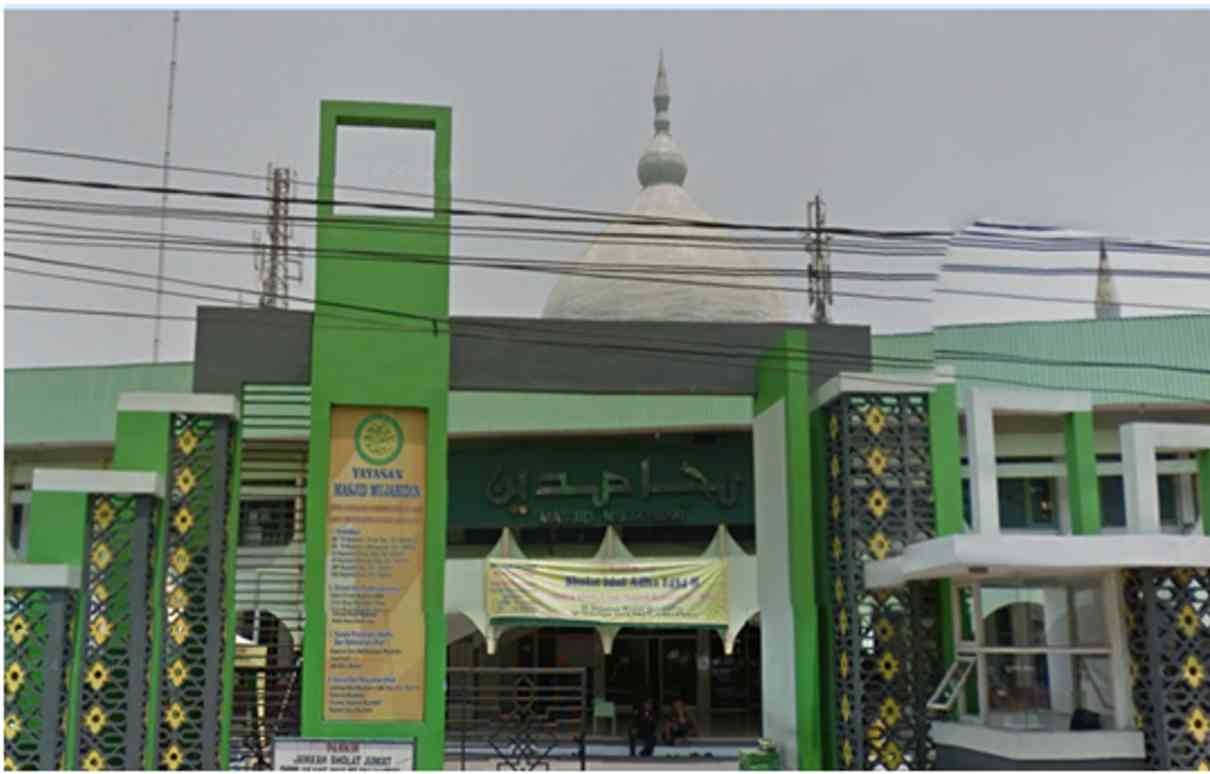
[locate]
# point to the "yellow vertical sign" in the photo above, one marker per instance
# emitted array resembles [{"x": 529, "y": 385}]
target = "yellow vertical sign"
[{"x": 374, "y": 653}]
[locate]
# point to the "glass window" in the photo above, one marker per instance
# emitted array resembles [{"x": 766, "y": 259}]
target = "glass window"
[
  {"x": 267, "y": 523},
  {"x": 1042, "y": 654},
  {"x": 1025, "y": 503},
  {"x": 16, "y": 523},
  {"x": 1113, "y": 500}
]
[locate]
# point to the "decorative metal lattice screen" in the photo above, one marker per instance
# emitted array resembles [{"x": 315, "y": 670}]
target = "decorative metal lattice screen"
[
  {"x": 269, "y": 570},
  {"x": 885, "y": 646},
  {"x": 37, "y": 661},
  {"x": 194, "y": 634},
  {"x": 114, "y": 653},
  {"x": 1168, "y": 624}
]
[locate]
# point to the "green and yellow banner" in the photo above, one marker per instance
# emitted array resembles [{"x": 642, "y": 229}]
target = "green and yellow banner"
[
  {"x": 677, "y": 592},
  {"x": 375, "y": 560}
]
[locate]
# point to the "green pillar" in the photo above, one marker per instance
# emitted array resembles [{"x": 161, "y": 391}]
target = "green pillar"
[
  {"x": 1203, "y": 488},
  {"x": 946, "y": 457},
  {"x": 389, "y": 358},
  {"x": 1083, "y": 493},
  {"x": 782, "y": 376},
  {"x": 827, "y": 725}
]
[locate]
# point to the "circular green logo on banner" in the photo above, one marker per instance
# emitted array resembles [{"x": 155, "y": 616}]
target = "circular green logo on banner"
[{"x": 379, "y": 439}]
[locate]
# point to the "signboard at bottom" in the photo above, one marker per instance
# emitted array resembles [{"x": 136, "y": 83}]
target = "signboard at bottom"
[{"x": 342, "y": 755}]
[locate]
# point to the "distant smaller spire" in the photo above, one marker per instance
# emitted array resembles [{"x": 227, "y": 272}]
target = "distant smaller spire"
[
  {"x": 662, "y": 161},
  {"x": 1107, "y": 306}
]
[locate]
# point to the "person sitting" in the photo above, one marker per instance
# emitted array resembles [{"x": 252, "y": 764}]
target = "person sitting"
[
  {"x": 642, "y": 728},
  {"x": 680, "y": 726}
]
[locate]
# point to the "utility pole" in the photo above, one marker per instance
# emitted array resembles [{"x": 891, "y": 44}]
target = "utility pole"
[
  {"x": 272, "y": 261},
  {"x": 819, "y": 272},
  {"x": 159, "y": 274}
]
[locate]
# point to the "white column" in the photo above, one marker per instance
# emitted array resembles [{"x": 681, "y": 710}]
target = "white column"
[
  {"x": 1139, "y": 479},
  {"x": 981, "y": 458}
]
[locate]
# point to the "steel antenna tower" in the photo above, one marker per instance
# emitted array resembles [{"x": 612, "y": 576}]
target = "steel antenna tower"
[
  {"x": 275, "y": 268},
  {"x": 819, "y": 272},
  {"x": 159, "y": 274}
]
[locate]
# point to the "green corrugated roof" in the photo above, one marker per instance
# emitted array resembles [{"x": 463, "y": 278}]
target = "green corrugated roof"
[{"x": 1105, "y": 357}]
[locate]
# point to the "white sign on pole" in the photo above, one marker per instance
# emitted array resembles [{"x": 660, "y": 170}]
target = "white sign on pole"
[{"x": 342, "y": 755}]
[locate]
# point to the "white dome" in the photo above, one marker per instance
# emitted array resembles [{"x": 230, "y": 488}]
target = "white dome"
[{"x": 680, "y": 292}]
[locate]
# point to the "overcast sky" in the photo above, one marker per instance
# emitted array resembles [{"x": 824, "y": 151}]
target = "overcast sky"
[{"x": 1089, "y": 120}]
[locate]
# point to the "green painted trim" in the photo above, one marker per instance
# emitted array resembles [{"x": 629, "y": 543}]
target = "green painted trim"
[
  {"x": 229, "y": 599},
  {"x": 1084, "y": 496},
  {"x": 143, "y": 443},
  {"x": 782, "y": 375},
  {"x": 819, "y": 479},
  {"x": 1203, "y": 486},
  {"x": 75, "y": 711},
  {"x": 945, "y": 451},
  {"x": 57, "y": 524}
]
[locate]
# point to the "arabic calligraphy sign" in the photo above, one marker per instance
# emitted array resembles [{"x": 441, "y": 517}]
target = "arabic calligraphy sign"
[
  {"x": 689, "y": 592},
  {"x": 601, "y": 481}
]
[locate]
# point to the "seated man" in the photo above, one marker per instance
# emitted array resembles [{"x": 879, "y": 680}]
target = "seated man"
[
  {"x": 680, "y": 726},
  {"x": 642, "y": 728}
]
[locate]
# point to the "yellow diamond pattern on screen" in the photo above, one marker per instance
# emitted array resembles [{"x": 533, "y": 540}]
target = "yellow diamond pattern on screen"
[
  {"x": 885, "y": 629},
  {"x": 1184, "y": 575},
  {"x": 1198, "y": 725},
  {"x": 846, "y": 709},
  {"x": 174, "y": 716},
  {"x": 95, "y": 719},
  {"x": 14, "y": 678},
  {"x": 846, "y": 752},
  {"x": 98, "y": 675},
  {"x": 94, "y": 761},
  {"x": 838, "y": 589},
  {"x": 11, "y": 765},
  {"x": 835, "y": 507},
  {"x": 178, "y": 599},
  {"x": 888, "y": 665},
  {"x": 891, "y": 756},
  {"x": 879, "y": 545},
  {"x": 185, "y": 481},
  {"x": 1195, "y": 673},
  {"x": 875, "y": 420},
  {"x": 844, "y": 664},
  {"x": 179, "y": 630},
  {"x": 101, "y": 556},
  {"x": 1187, "y": 621},
  {"x": 178, "y": 672},
  {"x": 843, "y": 624},
  {"x": 835, "y": 466},
  {"x": 101, "y": 592},
  {"x": 18, "y": 629},
  {"x": 180, "y": 560},
  {"x": 102, "y": 515},
  {"x": 836, "y": 549},
  {"x": 889, "y": 711},
  {"x": 12, "y": 726},
  {"x": 101, "y": 629},
  {"x": 172, "y": 758},
  {"x": 877, "y": 502},
  {"x": 876, "y": 461},
  {"x": 184, "y": 520},
  {"x": 186, "y": 442},
  {"x": 1203, "y": 766}
]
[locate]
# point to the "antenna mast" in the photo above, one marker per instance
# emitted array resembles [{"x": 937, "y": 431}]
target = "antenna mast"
[
  {"x": 159, "y": 274},
  {"x": 275, "y": 268},
  {"x": 819, "y": 272}
]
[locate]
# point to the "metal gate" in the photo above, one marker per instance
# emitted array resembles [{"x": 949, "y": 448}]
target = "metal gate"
[{"x": 520, "y": 718}]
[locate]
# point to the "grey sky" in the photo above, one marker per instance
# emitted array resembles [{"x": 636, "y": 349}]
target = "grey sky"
[{"x": 1093, "y": 120}]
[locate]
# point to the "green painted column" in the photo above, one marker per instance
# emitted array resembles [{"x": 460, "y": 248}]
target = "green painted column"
[
  {"x": 229, "y": 572},
  {"x": 1083, "y": 493},
  {"x": 782, "y": 376},
  {"x": 143, "y": 443},
  {"x": 946, "y": 457},
  {"x": 827, "y": 724},
  {"x": 1203, "y": 488},
  {"x": 388, "y": 358}
]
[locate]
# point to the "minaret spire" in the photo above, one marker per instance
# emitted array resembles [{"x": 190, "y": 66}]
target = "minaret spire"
[
  {"x": 662, "y": 161},
  {"x": 1107, "y": 306}
]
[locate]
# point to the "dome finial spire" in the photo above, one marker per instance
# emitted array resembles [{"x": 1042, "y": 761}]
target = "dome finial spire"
[{"x": 662, "y": 97}]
